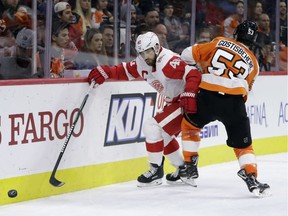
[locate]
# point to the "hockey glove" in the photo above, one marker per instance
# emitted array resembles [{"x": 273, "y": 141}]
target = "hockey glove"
[
  {"x": 188, "y": 102},
  {"x": 188, "y": 98},
  {"x": 99, "y": 74}
]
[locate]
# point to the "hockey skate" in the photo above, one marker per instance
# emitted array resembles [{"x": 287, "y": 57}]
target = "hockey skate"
[
  {"x": 152, "y": 177},
  {"x": 255, "y": 187},
  {"x": 174, "y": 178},
  {"x": 190, "y": 172}
]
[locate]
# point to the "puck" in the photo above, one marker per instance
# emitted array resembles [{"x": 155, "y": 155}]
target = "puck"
[{"x": 12, "y": 193}]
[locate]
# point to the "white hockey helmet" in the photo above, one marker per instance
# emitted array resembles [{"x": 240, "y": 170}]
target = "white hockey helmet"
[{"x": 146, "y": 41}]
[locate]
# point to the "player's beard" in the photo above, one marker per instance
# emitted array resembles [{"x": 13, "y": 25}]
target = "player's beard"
[{"x": 150, "y": 62}]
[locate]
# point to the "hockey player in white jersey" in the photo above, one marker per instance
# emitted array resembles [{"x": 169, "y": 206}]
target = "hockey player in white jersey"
[{"x": 177, "y": 82}]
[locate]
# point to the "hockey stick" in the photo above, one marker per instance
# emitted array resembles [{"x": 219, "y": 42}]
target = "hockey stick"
[{"x": 53, "y": 181}]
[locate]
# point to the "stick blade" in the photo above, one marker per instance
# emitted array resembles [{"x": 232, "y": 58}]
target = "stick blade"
[{"x": 56, "y": 183}]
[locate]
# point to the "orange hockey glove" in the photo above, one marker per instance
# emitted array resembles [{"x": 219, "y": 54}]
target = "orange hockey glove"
[
  {"x": 188, "y": 102},
  {"x": 99, "y": 74}
]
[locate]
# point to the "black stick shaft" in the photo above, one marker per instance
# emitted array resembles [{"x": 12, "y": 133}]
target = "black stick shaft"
[{"x": 53, "y": 179}]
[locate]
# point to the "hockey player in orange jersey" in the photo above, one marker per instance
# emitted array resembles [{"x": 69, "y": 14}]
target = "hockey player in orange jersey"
[
  {"x": 177, "y": 82},
  {"x": 229, "y": 70}
]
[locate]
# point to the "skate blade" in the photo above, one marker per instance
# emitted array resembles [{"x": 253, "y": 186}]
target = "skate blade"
[
  {"x": 189, "y": 181},
  {"x": 150, "y": 184},
  {"x": 178, "y": 182},
  {"x": 265, "y": 193}
]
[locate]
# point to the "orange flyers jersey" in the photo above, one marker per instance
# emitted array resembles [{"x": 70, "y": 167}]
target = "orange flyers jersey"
[{"x": 228, "y": 66}]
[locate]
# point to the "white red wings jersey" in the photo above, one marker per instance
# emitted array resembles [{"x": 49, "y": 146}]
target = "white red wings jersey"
[
  {"x": 228, "y": 66},
  {"x": 168, "y": 77}
]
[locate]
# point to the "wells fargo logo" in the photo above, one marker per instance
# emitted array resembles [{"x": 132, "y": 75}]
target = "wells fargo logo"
[{"x": 23, "y": 128}]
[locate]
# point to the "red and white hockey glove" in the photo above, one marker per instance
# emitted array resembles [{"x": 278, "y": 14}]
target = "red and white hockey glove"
[
  {"x": 188, "y": 102},
  {"x": 99, "y": 74},
  {"x": 188, "y": 99}
]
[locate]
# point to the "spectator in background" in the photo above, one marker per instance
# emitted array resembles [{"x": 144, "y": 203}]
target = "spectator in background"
[
  {"x": 7, "y": 41},
  {"x": 13, "y": 17},
  {"x": 283, "y": 63},
  {"x": 83, "y": 8},
  {"x": 41, "y": 7},
  {"x": 283, "y": 22},
  {"x": 19, "y": 66},
  {"x": 139, "y": 12},
  {"x": 140, "y": 29},
  {"x": 123, "y": 15},
  {"x": 231, "y": 22},
  {"x": 282, "y": 34},
  {"x": 264, "y": 50},
  {"x": 93, "y": 52},
  {"x": 7, "y": 51},
  {"x": 100, "y": 13},
  {"x": 204, "y": 36},
  {"x": 63, "y": 12},
  {"x": 41, "y": 37},
  {"x": 255, "y": 10},
  {"x": 228, "y": 6},
  {"x": 208, "y": 14},
  {"x": 108, "y": 41},
  {"x": 146, "y": 5},
  {"x": 133, "y": 14},
  {"x": 151, "y": 17},
  {"x": 173, "y": 25},
  {"x": 183, "y": 12},
  {"x": 41, "y": 30},
  {"x": 63, "y": 50},
  {"x": 6, "y": 5},
  {"x": 161, "y": 31}
]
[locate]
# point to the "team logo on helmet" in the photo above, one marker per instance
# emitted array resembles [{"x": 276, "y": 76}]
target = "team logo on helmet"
[
  {"x": 250, "y": 31},
  {"x": 146, "y": 41},
  {"x": 246, "y": 32}
]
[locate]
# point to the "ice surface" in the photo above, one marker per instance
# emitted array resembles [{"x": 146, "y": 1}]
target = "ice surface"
[{"x": 220, "y": 192}]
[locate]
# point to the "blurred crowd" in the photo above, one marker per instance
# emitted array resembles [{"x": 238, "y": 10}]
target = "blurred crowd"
[{"x": 82, "y": 31}]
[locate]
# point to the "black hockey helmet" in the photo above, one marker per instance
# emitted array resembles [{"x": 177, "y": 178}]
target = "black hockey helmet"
[{"x": 246, "y": 32}]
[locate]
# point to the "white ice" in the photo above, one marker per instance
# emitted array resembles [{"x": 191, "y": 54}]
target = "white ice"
[{"x": 220, "y": 192}]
